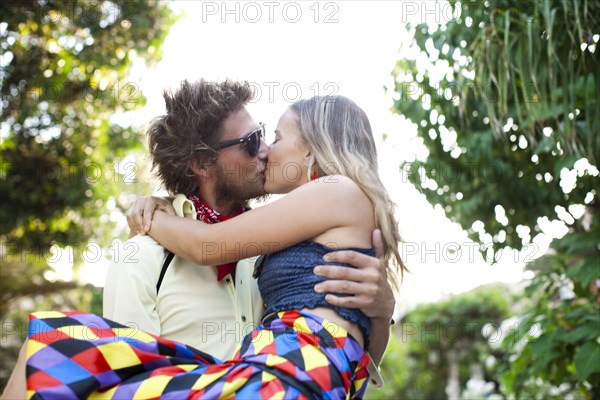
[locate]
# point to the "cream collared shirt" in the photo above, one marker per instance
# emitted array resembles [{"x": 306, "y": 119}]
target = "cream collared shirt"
[{"x": 191, "y": 307}]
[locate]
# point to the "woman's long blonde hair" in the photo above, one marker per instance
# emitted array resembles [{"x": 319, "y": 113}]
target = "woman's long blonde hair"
[{"x": 339, "y": 135}]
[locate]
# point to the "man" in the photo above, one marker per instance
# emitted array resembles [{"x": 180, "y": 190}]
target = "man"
[{"x": 208, "y": 147}]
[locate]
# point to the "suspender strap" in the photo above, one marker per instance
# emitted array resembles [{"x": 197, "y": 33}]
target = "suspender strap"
[{"x": 163, "y": 271}]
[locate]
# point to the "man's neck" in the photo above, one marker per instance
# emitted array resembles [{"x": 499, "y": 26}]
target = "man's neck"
[{"x": 222, "y": 206}]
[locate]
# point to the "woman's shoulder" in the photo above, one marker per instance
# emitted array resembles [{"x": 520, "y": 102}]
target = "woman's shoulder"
[
  {"x": 331, "y": 191},
  {"x": 334, "y": 183}
]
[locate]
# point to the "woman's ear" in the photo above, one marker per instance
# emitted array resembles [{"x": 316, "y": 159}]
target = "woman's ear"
[
  {"x": 309, "y": 160},
  {"x": 312, "y": 169}
]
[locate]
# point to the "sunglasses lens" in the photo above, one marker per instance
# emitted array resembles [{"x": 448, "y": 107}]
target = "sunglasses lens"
[{"x": 253, "y": 143}]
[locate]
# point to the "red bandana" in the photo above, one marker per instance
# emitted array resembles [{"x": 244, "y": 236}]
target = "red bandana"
[{"x": 208, "y": 215}]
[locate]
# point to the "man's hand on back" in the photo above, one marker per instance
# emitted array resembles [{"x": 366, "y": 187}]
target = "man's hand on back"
[
  {"x": 367, "y": 284},
  {"x": 368, "y": 289}
]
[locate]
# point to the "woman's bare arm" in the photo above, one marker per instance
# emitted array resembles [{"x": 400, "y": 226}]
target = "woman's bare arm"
[{"x": 301, "y": 215}]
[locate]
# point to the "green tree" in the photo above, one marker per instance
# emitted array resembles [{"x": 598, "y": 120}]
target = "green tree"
[
  {"x": 434, "y": 349},
  {"x": 63, "y": 167},
  {"x": 505, "y": 98}
]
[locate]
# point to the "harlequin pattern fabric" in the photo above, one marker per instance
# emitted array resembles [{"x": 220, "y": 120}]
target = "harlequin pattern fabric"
[{"x": 292, "y": 354}]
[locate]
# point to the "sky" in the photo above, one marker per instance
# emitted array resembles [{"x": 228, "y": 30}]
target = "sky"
[{"x": 293, "y": 50}]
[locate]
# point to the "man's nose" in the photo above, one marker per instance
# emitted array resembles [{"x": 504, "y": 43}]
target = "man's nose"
[{"x": 263, "y": 151}]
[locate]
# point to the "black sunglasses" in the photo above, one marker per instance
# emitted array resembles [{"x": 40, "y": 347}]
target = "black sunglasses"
[{"x": 250, "y": 142}]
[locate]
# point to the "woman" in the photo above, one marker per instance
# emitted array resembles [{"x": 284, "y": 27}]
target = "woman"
[{"x": 305, "y": 347}]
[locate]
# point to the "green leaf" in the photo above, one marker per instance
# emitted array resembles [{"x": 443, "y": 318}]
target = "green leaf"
[
  {"x": 590, "y": 270},
  {"x": 587, "y": 360},
  {"x": 589, "y": 331}
]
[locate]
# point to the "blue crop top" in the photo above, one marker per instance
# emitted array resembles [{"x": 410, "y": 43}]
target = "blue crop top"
[{"x": 286, "y": 281}]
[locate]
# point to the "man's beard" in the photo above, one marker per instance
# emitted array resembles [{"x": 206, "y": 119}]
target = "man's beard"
[{"x": 238, "y": 188}]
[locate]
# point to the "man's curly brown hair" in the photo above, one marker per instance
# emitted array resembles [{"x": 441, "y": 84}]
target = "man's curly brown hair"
[{"x": 191, "y": 128}]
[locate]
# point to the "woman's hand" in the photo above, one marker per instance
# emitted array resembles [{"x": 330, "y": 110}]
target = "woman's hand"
[{"x": 139, "y": 215}]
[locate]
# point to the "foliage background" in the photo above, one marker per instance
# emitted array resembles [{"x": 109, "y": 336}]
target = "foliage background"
[
  {"x": 66, "y": 170},
  {"x": 505, "y": 98}
]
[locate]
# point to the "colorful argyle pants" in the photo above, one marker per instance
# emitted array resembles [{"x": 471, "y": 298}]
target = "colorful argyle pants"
[{"x": 73, "y": 355}]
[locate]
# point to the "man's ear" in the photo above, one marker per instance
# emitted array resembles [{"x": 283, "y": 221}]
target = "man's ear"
[{"x": 202, "y": 169}]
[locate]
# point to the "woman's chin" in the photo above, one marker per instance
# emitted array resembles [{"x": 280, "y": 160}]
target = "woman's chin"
[
  {"x": 269, "y": 188},
  {"x": 273, "y": 188}
]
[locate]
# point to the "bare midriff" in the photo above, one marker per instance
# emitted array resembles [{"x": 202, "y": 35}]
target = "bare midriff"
[{"x": 332, "y": 316}]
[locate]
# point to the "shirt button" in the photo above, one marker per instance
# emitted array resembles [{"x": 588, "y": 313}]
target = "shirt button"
[{"x": 243, "y": 318}]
